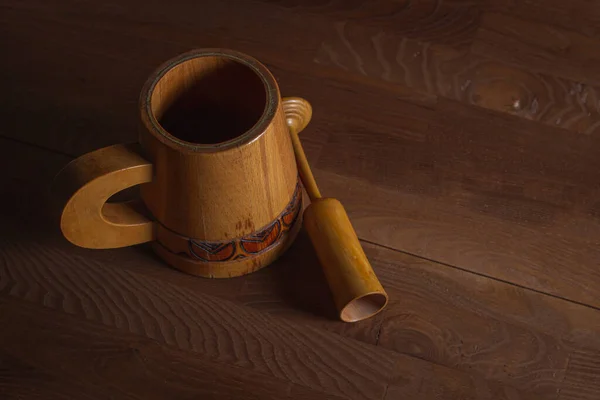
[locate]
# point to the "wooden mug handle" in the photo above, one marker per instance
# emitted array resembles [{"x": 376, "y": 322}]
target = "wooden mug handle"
[{"x": 85, "y": 185}]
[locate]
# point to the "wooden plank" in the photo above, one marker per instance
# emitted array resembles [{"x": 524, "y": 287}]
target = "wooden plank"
[
  {"x": 61, "y": 281},
  {"x": 194, "y": 377},
  {"x": 114, "y": 295},
  {"x": 474, "y": 79},
  {"x": 303, "y": 393},
  {"x": 539, "y": 46},
  {"x": 467, "y": 322},
  {"x": 450, "y": 22},
  {"x": 129, "y": 366},
  {"x": 472, "y": 324},
  {"x": 32, "y": 214},
  {"x": 448, "y": 385},
  {"x": 454, "y": 191},
  {"x": 437, "y": 313},
  {"x": 97, "y": 355},
  {"x": 216, "y": 329},
  {"x": 582, "y": 380},
  {"x": 387, "y": 59},
  {"x": 347, "y": 104},
  {"x": 582, "y": 16},
  {"x": 21, "y": 380},
  {"x": 518, "y": 203},
  {"x": 125, "y": 365},
  {"x": 170, "y": 307}
]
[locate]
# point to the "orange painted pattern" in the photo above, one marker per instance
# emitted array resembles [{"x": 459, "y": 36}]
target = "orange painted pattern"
[{"x": 252, "y": 244}]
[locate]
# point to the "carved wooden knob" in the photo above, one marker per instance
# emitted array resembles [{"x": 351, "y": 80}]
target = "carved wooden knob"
[{"x": 298, "y": 113}]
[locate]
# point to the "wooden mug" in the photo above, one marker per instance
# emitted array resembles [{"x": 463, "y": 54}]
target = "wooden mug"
[{"x": 219, "y": 184}]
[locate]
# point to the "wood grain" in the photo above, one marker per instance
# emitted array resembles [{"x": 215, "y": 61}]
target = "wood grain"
[
  {"x": 163, "y": 320},
  {"x": 177, "y": 329},
  {"x": 462, "y": 323},
  {"x": 578, "y": 15},
  {"x": 465, "y": 191},
  {"x": 21, "y": 380},
  {"x": 125, "y": 365},
  {"x": 219, "y": 330},
  {"x": 117, "y": 363},
  {"x": 457, "y": 132},
  {"x": 179, "y": 318},
  {"x": 539, "y": 47},
  {"x": 467, "y": 77},
  {"x": 437, "y": 69},
  {"x": 413, "y": 120},
  {"x": 581, "y": 380},
  {"x": 449, "y": 22},
  {"x": 478, "y": 325},
  {"x": 174, "y": 320},
  {"x": 448, "y": 385},
  {"x": 442, "y": 315},
  {"x": 105, "y": 287}
]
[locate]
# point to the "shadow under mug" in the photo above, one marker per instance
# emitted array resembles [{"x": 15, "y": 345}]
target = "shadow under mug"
[{"x": 219, "y": 185}]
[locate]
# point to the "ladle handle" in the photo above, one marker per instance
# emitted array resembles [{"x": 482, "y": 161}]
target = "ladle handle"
[{"x": 297, "y": 115}]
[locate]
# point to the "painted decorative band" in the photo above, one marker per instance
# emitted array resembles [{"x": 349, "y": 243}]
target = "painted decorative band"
[{"x": 246, "y": 246}]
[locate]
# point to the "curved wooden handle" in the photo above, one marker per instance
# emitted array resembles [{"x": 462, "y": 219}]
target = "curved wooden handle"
[{"x": 85, "y": 185}]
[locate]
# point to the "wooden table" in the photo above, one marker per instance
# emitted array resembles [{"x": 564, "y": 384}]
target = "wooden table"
[{"x": 463, "y": 137}]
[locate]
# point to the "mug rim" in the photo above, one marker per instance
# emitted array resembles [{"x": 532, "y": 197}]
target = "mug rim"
[{"x": 249, "y": 136}]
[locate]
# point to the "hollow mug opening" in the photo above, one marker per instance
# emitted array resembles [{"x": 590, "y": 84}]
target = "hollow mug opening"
[{"x": 209, "y": 99}]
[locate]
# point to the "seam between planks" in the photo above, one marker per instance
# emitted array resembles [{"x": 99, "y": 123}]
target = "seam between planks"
[
  {"x": 478, "y": 274},
  {"x": 36, "y": 146}
]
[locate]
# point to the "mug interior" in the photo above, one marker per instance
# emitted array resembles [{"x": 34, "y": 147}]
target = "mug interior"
[{"x": 209, "y": 99}]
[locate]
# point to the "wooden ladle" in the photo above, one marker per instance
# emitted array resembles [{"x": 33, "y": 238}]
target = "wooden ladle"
[{"x": 356, "y": 290}]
